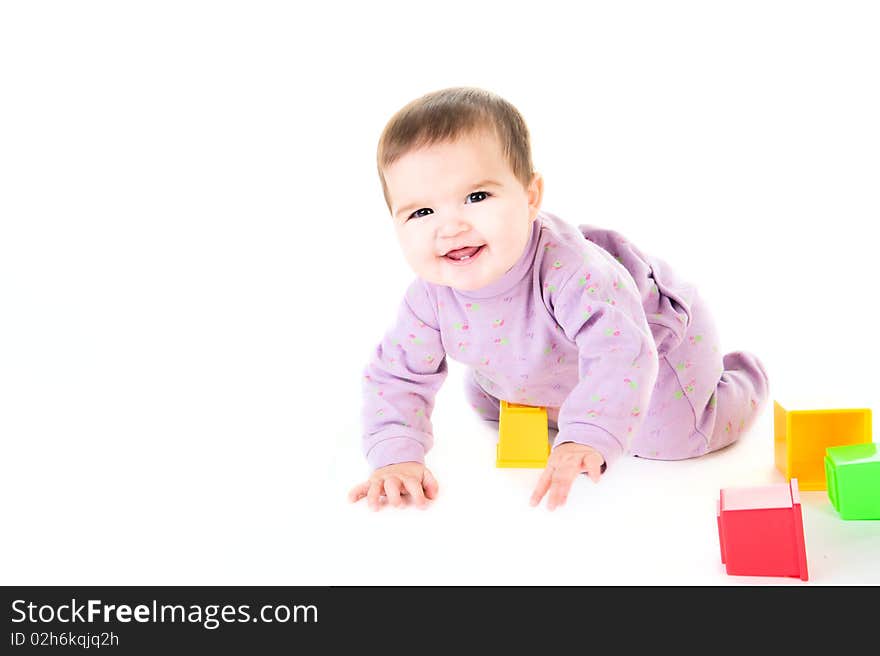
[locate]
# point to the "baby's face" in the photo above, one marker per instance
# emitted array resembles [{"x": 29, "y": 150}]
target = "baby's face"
[{"x": 462, "y": 218}]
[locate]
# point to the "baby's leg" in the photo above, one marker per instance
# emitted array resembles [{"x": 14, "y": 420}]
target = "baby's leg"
[
  {"x": 486, "y": 405},
  {"x": 702, "y": 401},
  {"x": 740, "y": 394}
]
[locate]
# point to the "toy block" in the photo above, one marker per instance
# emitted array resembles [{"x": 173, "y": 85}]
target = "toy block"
[
  {"x": 761, "y": 530},
  {"x": 523, "y": 438},
  {"x": 801, "y": 437},
  {"x": 853, "y": 475}
]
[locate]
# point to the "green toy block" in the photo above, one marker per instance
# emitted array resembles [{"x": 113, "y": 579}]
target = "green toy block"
[{"x": 853, "y": 475}]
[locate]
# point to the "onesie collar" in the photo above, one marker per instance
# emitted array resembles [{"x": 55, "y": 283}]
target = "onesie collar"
[{"x": 515, "y": 273}]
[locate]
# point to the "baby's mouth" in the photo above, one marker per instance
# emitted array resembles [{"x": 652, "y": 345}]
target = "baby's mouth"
[{"x": 463, "y": 254}]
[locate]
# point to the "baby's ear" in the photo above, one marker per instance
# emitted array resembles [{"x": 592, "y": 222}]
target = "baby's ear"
[{"x": 535, "y": 193}]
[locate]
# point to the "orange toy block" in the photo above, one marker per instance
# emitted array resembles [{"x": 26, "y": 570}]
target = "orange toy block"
[{"x": 801, "y": 437}]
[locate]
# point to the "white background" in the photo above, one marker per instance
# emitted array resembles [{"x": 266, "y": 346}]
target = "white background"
[{"x": 196, "y": 262}]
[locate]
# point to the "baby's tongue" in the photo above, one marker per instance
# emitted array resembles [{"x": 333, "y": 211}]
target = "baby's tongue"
[{"x": 468, "y": 251}]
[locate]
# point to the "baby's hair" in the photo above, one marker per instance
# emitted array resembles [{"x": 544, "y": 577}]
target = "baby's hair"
[{"x": 446, "y": 115}]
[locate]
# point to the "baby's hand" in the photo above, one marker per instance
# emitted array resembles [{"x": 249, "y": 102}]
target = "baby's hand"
[
  {"x": 566, "y": 461},
  {"x": 394, "y": 481}
]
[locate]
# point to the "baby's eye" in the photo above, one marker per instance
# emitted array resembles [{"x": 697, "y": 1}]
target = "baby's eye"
[
  {"x": 418, "y": 214},
  {"x": 485, "y": 195}
]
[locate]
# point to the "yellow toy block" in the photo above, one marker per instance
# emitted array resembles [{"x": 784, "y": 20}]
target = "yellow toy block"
[
  {"x": 523, "y": 439},
  {"x": 801, "y": 437}
]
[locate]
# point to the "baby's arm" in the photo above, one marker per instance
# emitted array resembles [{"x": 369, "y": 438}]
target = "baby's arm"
[
  {"x": 601, "y": 311},
  {"x": 400, "y": 383},
  {"x": 617, "y": 369}
]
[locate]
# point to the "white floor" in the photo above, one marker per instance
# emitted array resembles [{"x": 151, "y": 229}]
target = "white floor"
[
  {"x": 645, "y": 523},
  {"x": 196, "y": 261}
]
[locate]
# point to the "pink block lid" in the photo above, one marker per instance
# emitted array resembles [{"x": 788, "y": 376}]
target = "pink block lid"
[{"x": 757, "y": 497}]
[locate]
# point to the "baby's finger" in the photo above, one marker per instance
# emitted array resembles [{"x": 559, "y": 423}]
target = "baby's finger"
[
  {"x": 414, "y": 487},
  {"x": 562, "y": 480},
  {"x": 358, "y": 492},
  {"x": 593, "y": 470},
  {"x": 542, "y": 486},
  {"x": 374, "y": 494},
  {"x": 592, "y": 467},
  {"x": 429, "y": 483},
  {"x": 392, "y": 491}
]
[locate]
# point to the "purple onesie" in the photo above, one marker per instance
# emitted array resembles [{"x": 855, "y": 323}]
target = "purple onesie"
[{"x": 622, "y": 354}]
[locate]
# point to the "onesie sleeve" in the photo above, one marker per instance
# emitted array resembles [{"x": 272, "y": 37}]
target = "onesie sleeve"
[
  {"x": 400, "y": 383},
  {"x": 600, "y": 310}
]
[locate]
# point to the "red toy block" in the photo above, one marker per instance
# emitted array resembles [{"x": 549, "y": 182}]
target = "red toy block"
[{"x": 761, "y": 531}]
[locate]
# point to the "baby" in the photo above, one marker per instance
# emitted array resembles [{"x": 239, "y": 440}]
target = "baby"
[{"x": 620, "y": 351}]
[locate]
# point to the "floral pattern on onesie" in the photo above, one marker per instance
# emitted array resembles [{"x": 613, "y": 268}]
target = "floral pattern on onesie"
[{"x": 564, "y": 328}]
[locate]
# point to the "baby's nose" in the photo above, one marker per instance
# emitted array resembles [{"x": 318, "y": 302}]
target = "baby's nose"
[{"x": 453, "y": 224}]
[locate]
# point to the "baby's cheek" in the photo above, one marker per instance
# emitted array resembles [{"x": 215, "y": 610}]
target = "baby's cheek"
[{"x": 421, "y": 259}]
